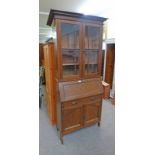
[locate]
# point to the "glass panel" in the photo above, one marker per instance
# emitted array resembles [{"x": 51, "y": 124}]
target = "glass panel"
[
  {"x": 70, "y": 62},
  {"x": 91, "y": 61},
  {"x": 70, "y": 35},
  {"x": 92, "y": 37}
]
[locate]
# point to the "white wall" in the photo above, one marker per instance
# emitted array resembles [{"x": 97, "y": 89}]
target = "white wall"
[{"x": 110, "y": 28}]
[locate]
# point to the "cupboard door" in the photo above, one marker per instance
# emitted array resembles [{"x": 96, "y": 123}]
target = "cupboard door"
[
  {"x": 92, "y": 49},
  {"x": 92, "y": 113},
  {"x": 70, "y": 49},
  {"x": 110, "y": 62},
  {"x": 71, "y": 119}
]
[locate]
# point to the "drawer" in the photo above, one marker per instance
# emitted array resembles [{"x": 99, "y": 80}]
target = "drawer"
[
  {"x": 71, "y": 104},
  {"x": 80, "y": 102},
  {"x": 91, "y": 99}
]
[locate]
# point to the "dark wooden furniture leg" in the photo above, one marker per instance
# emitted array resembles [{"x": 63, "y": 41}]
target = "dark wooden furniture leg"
[
  {"x": 61, "y": 139},
  {"x": 98, "y": 124}
]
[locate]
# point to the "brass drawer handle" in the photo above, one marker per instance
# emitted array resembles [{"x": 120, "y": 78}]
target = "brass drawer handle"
[{"x": 74, "y": 102}]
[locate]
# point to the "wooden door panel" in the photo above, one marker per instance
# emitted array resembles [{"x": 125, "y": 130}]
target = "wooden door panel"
[
  {"x": 110, "y": 60},
  {"x": 91, "y": 113},
  {"x": 72, "y": 119}
]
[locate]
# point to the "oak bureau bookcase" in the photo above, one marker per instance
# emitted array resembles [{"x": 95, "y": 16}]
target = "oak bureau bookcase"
[{"x": 77, "y": 60}]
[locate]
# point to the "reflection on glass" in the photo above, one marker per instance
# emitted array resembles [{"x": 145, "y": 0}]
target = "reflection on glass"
[
  {"x": 70, "y": 35},
  {"x": 91, "y": 61},
  {"x": 92, "y": 37},
  {"x": 70, "y": 62}
]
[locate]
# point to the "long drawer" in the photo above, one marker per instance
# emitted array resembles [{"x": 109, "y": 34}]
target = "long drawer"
[{"x": 81, "y": 102}]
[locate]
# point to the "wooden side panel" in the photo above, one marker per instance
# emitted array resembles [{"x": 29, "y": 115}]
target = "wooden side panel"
[
  {"x": 102, "y": 66},
  {"x": 110, "y": 60},
  {"x": 50, "y": 81},
  {"x": 41, "y": 54},
  {"x": 45, "y": 66}
]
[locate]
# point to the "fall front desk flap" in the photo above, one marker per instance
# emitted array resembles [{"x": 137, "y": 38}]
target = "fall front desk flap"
[{"x": 80, "y": 89}]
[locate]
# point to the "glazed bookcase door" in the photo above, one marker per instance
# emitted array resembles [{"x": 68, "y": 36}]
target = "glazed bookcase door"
[
  {"x": 70, "y": 50},
  {"x": 92, "y": 50}
]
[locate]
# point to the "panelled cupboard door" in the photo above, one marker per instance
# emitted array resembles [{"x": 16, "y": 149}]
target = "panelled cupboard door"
[
  {"x": 92, "y": 50},
  {"x": 72, "y": 119},
  {"x": 70, "y": 50},
  {"x": 92, "y": 113}
]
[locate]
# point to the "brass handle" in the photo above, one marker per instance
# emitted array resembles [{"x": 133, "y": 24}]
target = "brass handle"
[
  {"x": 74, "y": 102},
  {"x": 79, "y": 81}
]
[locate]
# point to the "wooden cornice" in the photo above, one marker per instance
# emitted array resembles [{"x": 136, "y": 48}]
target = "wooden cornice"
[{"x": 54, "y": 13}]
